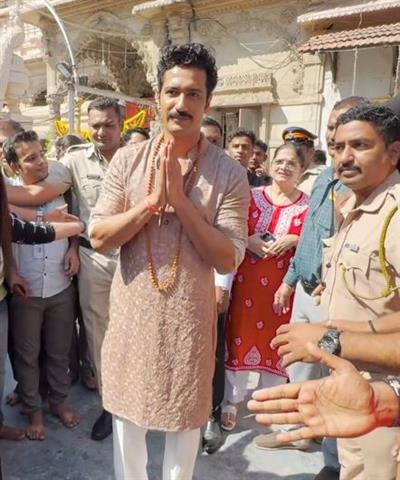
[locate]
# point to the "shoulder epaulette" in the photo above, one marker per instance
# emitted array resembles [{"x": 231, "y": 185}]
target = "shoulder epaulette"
[{"x": 75, "y": 148}]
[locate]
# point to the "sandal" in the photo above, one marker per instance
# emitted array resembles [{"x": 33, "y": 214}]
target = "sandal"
[{"x": 228, "y": 417}]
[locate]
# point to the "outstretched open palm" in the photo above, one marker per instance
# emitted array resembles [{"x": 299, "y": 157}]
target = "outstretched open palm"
[{"x": 341, "y": 405}]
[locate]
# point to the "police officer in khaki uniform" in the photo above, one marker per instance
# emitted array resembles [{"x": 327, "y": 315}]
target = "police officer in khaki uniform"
[
  {"x": 361, "y": 263},
  {"x": 304, "y": 139},
  {"x": 87, "y": 165},
  {"x": 360, "y": 272}
]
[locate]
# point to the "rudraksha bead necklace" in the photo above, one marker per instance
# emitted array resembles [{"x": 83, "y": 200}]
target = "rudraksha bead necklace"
[{"x": 167, "y": 285}]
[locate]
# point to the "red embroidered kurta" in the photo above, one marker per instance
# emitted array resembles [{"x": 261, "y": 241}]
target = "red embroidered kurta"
[{"x": 251, "y": 321}]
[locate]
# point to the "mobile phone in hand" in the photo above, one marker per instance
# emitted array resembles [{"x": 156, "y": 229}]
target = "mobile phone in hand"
[{"x": 268, "y": 237}]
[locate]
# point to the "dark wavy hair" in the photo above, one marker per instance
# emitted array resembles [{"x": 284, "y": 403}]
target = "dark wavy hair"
[
  {"x": 261, "y": 145},
  {"x": 244, "y": 133},
  {"x": 63, "y": 143},
  {"x": 103, "y": 103},
  {"x": 142, "y": 131},
  {"x": 9, "y": 151},
  {"x": 188, "y": 55},
  {"x": 211, "y": 122},
  {"x": 385, "y": 122}
]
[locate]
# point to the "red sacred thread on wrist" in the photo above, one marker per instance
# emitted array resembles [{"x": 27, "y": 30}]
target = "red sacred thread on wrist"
[{"x": 151, "y": 208}]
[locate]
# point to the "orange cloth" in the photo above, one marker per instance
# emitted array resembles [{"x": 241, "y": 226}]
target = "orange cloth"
[{"x": 251, "y": 321}]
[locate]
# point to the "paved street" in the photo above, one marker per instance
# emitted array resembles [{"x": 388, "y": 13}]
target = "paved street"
[{"x": 71, "y": 455}]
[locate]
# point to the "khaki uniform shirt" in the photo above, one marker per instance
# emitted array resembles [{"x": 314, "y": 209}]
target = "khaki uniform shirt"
[
  {"x": 357, "y": 293},
  {"x": 308, "y": 178},
  {"x": 86, "y": 167}
]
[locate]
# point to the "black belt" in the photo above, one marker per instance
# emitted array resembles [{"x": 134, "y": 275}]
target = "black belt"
[
  {"x": 85, "y": 243},
  {"x": 308, "y": 287}
]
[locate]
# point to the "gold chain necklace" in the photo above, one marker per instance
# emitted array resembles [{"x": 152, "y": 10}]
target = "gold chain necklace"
[{"x": 167, "y": 285}]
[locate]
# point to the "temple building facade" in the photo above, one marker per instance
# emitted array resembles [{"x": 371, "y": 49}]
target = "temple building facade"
[{"x": 280, "y": 62}]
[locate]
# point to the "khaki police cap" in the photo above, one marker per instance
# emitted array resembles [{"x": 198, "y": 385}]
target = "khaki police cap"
[{"x": 297, "y": 135}]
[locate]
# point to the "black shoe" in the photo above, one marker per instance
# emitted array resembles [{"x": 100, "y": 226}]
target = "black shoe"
[
  {"x": 102, "y": 427},
  {"x": 327, "y": 473},
  {"x": 212, "y": 436}
]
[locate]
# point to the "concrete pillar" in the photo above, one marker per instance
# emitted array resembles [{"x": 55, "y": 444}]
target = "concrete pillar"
[{"x": 264, "y": 130}]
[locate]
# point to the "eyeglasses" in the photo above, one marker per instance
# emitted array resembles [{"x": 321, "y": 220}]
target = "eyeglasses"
[{"x": 289, "y": 164}]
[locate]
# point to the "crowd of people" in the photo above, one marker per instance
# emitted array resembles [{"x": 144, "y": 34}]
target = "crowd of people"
[{"x": 111, "y": 250}]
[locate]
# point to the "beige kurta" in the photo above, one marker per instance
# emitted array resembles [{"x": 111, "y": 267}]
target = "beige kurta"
[{"x": 159, "y": 350}]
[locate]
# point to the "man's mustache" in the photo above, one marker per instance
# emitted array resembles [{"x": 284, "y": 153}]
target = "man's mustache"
[
  {"x": 347, "y": 168},
  {"x": 178, "y": 115}
]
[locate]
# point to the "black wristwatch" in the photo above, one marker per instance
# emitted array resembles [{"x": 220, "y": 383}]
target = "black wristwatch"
[
  {"x": 39, "y": 216},
  {"x": 330, "y": 342}
]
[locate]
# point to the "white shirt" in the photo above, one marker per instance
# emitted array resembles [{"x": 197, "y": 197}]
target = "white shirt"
[
  {"x": 224, "y": 281},
  {"x": 42, "y": 266}
]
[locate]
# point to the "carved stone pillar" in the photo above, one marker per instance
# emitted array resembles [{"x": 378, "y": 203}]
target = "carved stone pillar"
[
  {"x": 177, "y": 24},
  {"x": 53, "y": 45},
  {"x": 79, "y": 101},
  {"x": 148, "y": 53},
  {"x": 14, "y": 76},
  {"x": 54, "y": 101},
  {"x": 157, "y": 23},
  {"x": 54, "y": 49}
]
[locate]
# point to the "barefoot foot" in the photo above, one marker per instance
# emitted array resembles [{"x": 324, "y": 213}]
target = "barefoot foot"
[
  {"x": 11, "y": 433},
  {"x": 67, "y": 416},
  {"x": 36, "y": 430}
]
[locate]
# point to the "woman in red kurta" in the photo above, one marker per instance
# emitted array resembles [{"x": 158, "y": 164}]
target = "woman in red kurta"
[{"x": 278, "y": 209}]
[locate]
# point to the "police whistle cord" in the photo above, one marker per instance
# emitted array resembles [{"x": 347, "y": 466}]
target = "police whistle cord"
[{"x": 390, "y": 288}]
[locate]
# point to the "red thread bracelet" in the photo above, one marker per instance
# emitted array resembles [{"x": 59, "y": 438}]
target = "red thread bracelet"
[{"x": 151, "y": 208}]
